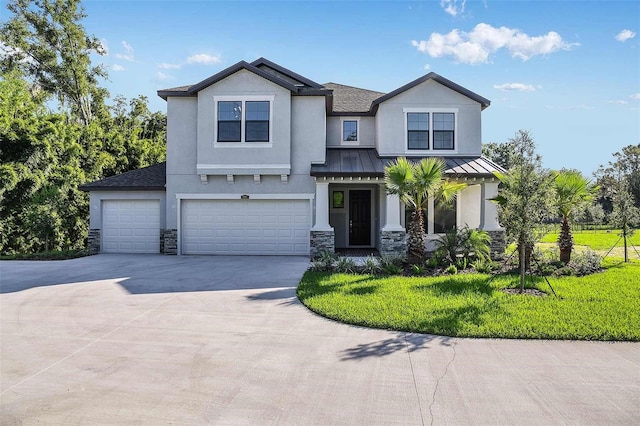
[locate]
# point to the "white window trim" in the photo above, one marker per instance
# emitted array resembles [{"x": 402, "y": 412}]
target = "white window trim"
[
  {"x": 349, "y": 143},
  {"x": 431, "y": 213},
  {"x": 243, "y": 99},
  {"x": 430, "y": 110}
]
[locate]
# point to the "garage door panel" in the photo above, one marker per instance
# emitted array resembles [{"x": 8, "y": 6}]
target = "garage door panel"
[
  {"x": 256, "y": 227},
  {"x": 131, "y": 226}
]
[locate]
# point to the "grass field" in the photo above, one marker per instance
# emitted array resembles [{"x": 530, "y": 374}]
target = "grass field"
[
  {"x": 603, "y": 306},
  {"x": 597, "y": 240}
]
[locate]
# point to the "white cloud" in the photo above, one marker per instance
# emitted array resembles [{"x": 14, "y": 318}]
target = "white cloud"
[
  {"x": 514, "y": 87},
  {"x": 571, "y": 107},
  {"x": 475, "y": 47},
  {"x": 619, "y": 102},
  {"x": 427, "y": 67},
  {"x": 635, "y": 96},
  {"x": 162, "y": 76},
  {"x": 451, "y": 6},
  {"x": 116, "y": 67},
  {"x": 625, "y": 35},
  {"x": 8, "y": 51},
  {"x": 167, "y": 66},
  {"x": 203, "y": 58},
  {"x": 129, "y": 56}
]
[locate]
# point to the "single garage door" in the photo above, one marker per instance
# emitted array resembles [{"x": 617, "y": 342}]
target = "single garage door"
[
  {"x": 131, "y": 226},
  {"x": 254, "y": 227}
]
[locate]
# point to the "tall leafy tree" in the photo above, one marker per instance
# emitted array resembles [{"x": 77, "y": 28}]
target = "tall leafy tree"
[
  {"x": 415, "y": 183},
  {"x": 504, "y": 154},
  {"x": 46, "y": 41},
  {"x": 626, "y": 164},
  {"x": 525, "y": 198},
  {"x": 572, "y": 192}
]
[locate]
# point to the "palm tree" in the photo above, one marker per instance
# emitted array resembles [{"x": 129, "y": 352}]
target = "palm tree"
[
  {"x": 414, "y": 183},
  {"x": 572, "y": 190}
]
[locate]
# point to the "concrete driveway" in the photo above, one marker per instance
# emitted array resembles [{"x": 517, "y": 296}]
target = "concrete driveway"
[{"x": 148, "y": 339}]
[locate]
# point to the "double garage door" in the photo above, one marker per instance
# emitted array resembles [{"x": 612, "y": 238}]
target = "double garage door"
[
  {"x": 130, "y": 226},
  {"x": 253, "y": 227}
]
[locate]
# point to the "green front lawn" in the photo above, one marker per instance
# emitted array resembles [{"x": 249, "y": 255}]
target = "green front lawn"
[
  {"x": 602, "y": 306},
  {"x": 597, "y": 240}
]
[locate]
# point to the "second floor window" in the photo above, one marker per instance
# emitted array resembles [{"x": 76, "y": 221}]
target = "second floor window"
[
  {"x": 229, "y": 121},
  {"x": 443, "y": 128},
  {"x": 243, "y": 121},
  {"x": 418, "y": 130},
  {"x": 430, "y": 130},
  {"x": 349, "y": 131}
]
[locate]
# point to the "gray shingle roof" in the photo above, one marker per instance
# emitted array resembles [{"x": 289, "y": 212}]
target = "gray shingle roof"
[
  {"x": 365, "y": 162},
  {"x": 351, "y": 99},
  {"x": 146, "y": 179}
]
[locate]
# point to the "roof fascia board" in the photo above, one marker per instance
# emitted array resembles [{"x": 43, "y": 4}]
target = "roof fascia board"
[
  {"x": 286, "y": 71},
  {"x": 439, "y": 79},
  {"x": 234, "y": 69}
]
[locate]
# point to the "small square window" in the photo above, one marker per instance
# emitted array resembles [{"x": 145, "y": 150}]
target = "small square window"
[
  {"x": 350, "y": 131},
  {"x": 338, "y": 199}
]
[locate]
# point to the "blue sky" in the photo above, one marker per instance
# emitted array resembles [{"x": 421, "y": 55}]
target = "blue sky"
[{"x": 568, "y": 71}]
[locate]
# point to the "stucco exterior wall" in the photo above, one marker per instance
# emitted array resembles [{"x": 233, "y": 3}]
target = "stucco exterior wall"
[
  {"x": 252, "y": 157},
  {"x": 366, "y": 131},
  {"x": 391, "y": 126},
  {"x": 469, "y": 207},
  {"x": 96, "y": 198}
]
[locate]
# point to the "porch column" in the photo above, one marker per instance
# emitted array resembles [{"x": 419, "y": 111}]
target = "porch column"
[
  {"x": 393, "y": 240},
  {"x": 488, "y": 210},
  {"x": 489, "y": 219},
  {"x": 322, "y": 207},
  {"x": 322, "y": 236},
  {"x": 392, "y": 214}
]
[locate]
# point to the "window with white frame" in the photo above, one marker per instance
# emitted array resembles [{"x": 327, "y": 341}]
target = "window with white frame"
[
  {"x": 350, "y": 131},
  {"x": 443, "y": 219},
  {"x": 430, "y": 130},
  {"x": 243, "y": 121}
]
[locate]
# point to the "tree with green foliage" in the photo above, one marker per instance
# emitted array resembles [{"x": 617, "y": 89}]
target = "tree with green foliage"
[
  {"x": 46, "y": 55},
  {"x": 503, "y": 154},
  {"x": 525, "y": 198},
  {"x": 45, "y": 40},
  {"x": 627, "y": 164},
  {"x": 415, "y": 183},
  {"x": 572, "y": 192}
]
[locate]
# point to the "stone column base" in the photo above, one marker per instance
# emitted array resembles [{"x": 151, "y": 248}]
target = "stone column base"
[
  {"x": 321, "y": 241},
  {"x": 93, "y": 241},
  {"x": 169, "y": 241},
  {"x": 498, "y": 243},
  {"x": 393, "y": 243}
]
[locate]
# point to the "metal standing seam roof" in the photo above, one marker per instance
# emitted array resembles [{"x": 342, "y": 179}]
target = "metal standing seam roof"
[
  {"x": 365, "y": 162},
  {"x": 146, "y": 179}
]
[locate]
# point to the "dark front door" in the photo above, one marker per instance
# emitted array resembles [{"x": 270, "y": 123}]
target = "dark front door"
[{"x": 360, "y": 218}]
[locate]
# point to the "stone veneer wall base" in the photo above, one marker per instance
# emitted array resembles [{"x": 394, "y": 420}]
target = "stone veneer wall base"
[
  {"x": 393, "y": 243},
  {"x": 498, "y": 244},
  {"x": 169, "y": 241},
  {"x": 93, "y": 241},
  {"x": 321, "y": 241}
]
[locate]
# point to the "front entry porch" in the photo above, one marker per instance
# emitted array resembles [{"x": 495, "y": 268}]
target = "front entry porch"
[{"x": 352, "y": 209}]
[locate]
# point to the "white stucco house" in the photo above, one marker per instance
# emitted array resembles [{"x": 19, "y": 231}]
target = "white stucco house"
[{"x": 263, "y": 161}]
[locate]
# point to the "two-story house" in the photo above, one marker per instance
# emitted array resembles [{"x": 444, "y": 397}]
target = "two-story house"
[{"x": 263, "y": 161}]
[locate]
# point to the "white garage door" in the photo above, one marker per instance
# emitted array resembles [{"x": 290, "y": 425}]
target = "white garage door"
[
  {"x": 254, "y": 227},
  {"x": 131, "y": 226}
]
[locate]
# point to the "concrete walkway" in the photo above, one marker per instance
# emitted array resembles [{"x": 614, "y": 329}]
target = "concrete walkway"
[{"x": 124, "y": 339}]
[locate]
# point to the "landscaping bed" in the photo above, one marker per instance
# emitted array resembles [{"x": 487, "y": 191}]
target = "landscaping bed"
[{"x": 600, "y": 306}]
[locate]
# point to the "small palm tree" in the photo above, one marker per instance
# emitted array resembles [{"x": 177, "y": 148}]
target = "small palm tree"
[
  {"x": 414, "y": 183},
  {"x": 572, "y": 190}
]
